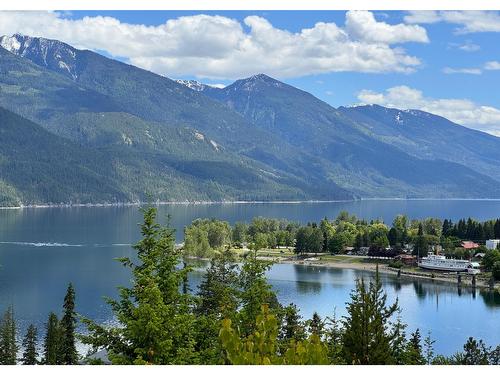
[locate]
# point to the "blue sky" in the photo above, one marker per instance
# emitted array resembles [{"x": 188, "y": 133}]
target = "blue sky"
[
  {"x": 443, "y": 62},
  {"x": 441, "y": 52}
]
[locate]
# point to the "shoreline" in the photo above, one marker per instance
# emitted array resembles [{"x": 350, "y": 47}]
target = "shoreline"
[
  {"x": 188, "y": 203},
  {"x": 466, "y": 280}
]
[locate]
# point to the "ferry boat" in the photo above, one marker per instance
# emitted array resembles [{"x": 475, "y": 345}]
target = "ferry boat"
[{"x": 440, "y": 263}]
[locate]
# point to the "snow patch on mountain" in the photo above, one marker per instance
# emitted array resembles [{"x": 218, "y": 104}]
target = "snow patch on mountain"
[
  {"x": 11, "y": 44},
  {"x": 42, "y": 51}
]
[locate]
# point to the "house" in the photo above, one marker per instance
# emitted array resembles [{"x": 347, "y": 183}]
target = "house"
[
  {"x": 469, "y": 245},
  {"x": 492, "y": 244},
  {"x": 409, "y": 260}
]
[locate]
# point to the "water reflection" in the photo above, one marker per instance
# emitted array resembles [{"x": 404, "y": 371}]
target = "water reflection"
[{"x": 308, "y": 287}]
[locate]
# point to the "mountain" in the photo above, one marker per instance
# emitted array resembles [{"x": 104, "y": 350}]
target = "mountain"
[
  {"x": 256, "y": 139},
  {"x": 108, "y": 104},
  {"x": 38, "y": 167},
  {"x": 428, "y": 136},
  {"x": 368, "y": 160}
]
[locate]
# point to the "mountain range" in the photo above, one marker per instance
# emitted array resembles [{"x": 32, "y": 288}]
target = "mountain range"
[{"x": 78, "y": 127}]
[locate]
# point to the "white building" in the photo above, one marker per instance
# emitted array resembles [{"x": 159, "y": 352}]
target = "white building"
[{"x": 492, "y": 244}]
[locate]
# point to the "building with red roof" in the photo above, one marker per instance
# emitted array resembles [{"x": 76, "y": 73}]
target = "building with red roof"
[{"x": 468, "y": 245}]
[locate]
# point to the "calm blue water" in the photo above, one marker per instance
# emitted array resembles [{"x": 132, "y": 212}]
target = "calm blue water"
[{"x": 41, "y": 250}]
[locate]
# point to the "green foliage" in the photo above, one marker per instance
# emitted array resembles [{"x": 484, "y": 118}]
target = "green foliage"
[
  {"x": 218, "y": 292},
  {"x": 52, "y": 343},
  {"x": 309, "y": 239},
  {"x": 316, "y": 326},
  {"x": 495, "y": 270},
  {"x": 255, "y": 291},
  {"x": 30, "y": 354},
  {"x": 239, "y": 233},
  {"x": 292, "y": 327},
  {"x": 490, "y": 258},
  {"x": 204, "y": 236},
  {"x": 156, "y": 325},
  {"x": 260, "y": 347},
  {"x": 366, "y": 337},
  {"x": 67, "y": 325},
  {"x": 8, "y": 343}
]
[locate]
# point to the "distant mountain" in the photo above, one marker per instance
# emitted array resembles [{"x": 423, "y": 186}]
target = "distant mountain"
[
  {"x": 257, "y": 139},
  {"x": 428, "y": 136},
  {"x": 366, "y": 161}
]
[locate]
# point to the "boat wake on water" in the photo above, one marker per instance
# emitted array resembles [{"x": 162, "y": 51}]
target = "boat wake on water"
[{"x": 59, "y": 244}]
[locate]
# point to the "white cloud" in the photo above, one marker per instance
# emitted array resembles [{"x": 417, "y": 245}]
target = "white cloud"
[
  {"x": 362, "y": 25},
  {"x": 492, "y": 65},
  {"x": 216, "y": 85},
  {"x": 218, "y": 47},
  {"x": 461, "y": 111},
  {"x": 469, "y": 21},
  {"x": 468, "y": 46},
  {"x": 475, "y": 71}
]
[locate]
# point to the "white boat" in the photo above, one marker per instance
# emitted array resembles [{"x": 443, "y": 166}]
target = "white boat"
[{"x": 440, "y": 263}]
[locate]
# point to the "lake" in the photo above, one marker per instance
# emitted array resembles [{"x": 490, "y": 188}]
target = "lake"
[{"x": 42, "y": 249}]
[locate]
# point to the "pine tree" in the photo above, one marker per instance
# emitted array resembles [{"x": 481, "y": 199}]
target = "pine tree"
[
  {"x": 420, "y": 247},
  {"x": 8, "y": 344},
  {"x": 399, "y": 342},
  {"x": 414, "y": 351},
  {"x": 366, "y": 336},
  {"x": 429, "y": 348},
  {"x": 218, "y": 289},
  {"x": 316, "y": 326},
  {"x": 29, "y": 344},
  {"x": 157, "y": 325},
  {"x": 475, "y": 353},
  {"x": 292, "y": 327},
  {"x": 255, "y": 291},
  {"x": 52, "y": 341},
  {"x": 68, "y": 326}
]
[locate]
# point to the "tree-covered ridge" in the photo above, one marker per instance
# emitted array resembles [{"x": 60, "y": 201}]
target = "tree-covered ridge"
[
  {"x": 233, "y": 318},
  {"x": 258, "y": 139},
  {"x": 153, "y": 126},
  {"x": 371, "y": 155}
]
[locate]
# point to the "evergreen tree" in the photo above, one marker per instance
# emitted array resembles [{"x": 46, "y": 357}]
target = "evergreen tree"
[
  {"x": 475, "y": 353},
  {"x": 52, "y": 342},
  {"x": 156, "y": 324},
  {"x": 69, "y": 354},
  {"x": 255, "y": 291},
  {"x": 29, "y": 344},
  {"x": 292, "y": 327},
  {"x": 414, "y": 351},
  {"x": 496, "y": 228},
  {"x": 316, "y": 326},
  {"x": 8, "y": 344},
  {"x": 429, "y": 348},
  {"x": 218, "y": 290},
  {"x": 420, "y": 246},
  {"x": 399, "y": 342},
  {"x": 334, "y": 335},
  {"x": 366, "y": 336}
]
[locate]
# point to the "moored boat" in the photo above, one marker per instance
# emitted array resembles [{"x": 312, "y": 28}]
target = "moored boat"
[{"x": 441, "y": 263}]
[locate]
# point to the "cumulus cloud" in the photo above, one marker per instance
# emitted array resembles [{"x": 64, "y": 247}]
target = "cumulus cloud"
[
  {"x": 362, "y": 25},
  {"x": 475, "y": 71},
  {"x": 461, "y": 111},
  {"x": 469, "y": 21},
  {"x": 219, "y": 47}
]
